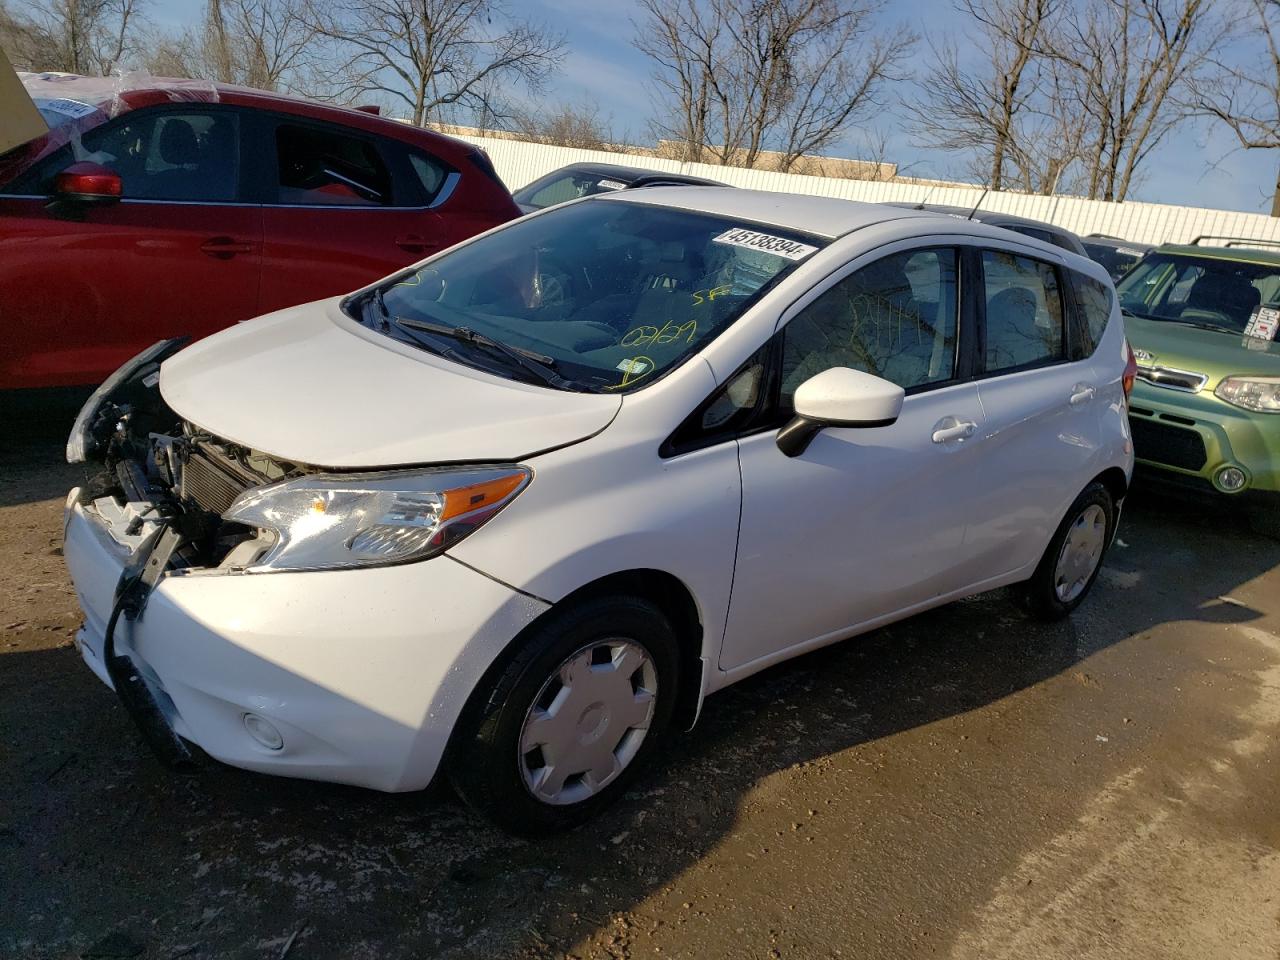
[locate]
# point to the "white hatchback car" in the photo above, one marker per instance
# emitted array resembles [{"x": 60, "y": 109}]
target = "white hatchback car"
[{"x": 512, "y": 513}]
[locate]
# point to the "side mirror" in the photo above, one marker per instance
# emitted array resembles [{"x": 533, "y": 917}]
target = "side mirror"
[
  {"x": 839, "y": 397},
  {"x": 82, "y": 185}
]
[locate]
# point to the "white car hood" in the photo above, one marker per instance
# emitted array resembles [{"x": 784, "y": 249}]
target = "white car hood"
[{"x": 310, "y": 385}]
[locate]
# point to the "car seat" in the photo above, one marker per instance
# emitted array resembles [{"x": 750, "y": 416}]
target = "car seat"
[
  {"x": 1219, "y": 296},
  {"x": 179, "y": 148},
  {"x": 1013, "y": 337}
]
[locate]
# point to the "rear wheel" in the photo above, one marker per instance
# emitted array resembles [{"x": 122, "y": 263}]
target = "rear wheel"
[
  {"x": 1073, "y": 558},
  {"x": 558, "y": 733}
]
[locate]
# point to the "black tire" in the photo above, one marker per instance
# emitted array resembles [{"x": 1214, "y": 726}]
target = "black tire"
[
  {"x": 485, "y": 757},
  {"x": 1039, "y": 595}
]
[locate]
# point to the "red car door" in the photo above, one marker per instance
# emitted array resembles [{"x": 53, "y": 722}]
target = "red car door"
[
  {"x": 178, "y": 254},
  {"x": 344, "y": 207}
]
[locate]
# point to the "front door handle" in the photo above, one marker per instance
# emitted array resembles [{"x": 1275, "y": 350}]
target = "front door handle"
[
  {"x": 1081, "y": 393},
  {"x": 224, "y": 248},
  {"x": 411, "y": 243},
  {"x": 949, "y": 428}
]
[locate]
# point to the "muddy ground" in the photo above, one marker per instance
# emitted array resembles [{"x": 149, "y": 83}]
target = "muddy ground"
[{"x": 966, "y": 784}]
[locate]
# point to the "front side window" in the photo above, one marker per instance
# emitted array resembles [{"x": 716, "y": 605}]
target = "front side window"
[
  {"x": 170, "y": 155},
  {"x": 325, "y": 167},
  {"x": 1201, "y": 291},
  {"x": 895, "y": 319},
  {"x": 1024, "y": 311},
  {"x": 608, "y": 295}
]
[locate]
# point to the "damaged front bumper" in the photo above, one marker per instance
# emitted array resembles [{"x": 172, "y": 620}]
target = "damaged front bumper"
[
  {"x": 353, "y": 675},
  {"x": 359, "y": 675}
]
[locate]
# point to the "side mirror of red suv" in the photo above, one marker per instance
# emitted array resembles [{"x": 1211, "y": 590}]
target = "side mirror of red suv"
[{"x": 82, "y": 185}]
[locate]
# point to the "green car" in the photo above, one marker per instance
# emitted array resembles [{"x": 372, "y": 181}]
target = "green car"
[{"x": 1205, "y": 410}]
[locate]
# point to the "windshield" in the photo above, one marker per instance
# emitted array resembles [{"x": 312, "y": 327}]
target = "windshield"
[
  {"x": 1117, "y": 260},
  {"x": 608, "y": 295},
  {"x": 562, "y": 188},
  {"x": 1225, "y": 295}
]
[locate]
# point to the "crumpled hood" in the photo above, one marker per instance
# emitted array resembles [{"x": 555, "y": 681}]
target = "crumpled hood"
[
  {"x": 1203, "y": 351},
  {"x": 310, "y": 385}
]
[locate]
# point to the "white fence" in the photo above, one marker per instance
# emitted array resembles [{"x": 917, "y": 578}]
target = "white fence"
[{"x": 518, "y": 163}]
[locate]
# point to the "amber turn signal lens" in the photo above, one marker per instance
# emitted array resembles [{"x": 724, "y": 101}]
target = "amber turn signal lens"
[{"x": 480, "y": 495}]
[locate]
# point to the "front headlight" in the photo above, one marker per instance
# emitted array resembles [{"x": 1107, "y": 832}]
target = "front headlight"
[
  {"x": 331, "y": 521},
  {"x": 1259, "y": 394}
]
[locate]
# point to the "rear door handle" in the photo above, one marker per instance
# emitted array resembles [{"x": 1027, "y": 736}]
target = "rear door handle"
[
  {"x": 411, "y": 243},
  {"x": 949, "y": 428},
  {"x": 1081, "y": 393},
  {"x": 224, "y": 248}
]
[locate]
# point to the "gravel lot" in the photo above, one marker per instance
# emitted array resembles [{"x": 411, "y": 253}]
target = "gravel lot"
[{"x": 965, "y": 784}]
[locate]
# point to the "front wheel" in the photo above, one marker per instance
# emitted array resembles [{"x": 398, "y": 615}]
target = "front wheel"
[
  {"x": 559, "y": 731},
  {"x": 1074, "y": 556}
]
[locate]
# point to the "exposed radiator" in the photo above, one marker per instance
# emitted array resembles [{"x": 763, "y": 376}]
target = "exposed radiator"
[{"x": 208, "y": 485}]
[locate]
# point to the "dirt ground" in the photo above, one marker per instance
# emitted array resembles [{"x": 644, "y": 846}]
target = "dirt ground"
[{"x": 966, "y": 784}]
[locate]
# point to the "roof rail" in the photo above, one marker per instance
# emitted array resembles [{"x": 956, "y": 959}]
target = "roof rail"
[
  {"x": 1233, "y": 241},
  {"x": 1105, "y": 236}
]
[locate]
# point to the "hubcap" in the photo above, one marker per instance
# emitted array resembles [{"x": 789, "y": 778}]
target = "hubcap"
[
  {"x": 588, "y": 721},
  {"x": 1080, "y": 554}
]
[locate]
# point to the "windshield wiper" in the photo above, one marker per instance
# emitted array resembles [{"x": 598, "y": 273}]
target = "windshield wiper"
[
  {"x": 1186, "y": 323},
  {"x": 1205, "y": 326},
  {"x": 537, "y": 364}
]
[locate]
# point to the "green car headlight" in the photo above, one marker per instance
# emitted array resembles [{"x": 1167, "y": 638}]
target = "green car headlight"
[{"x": 1259, "y": 394}]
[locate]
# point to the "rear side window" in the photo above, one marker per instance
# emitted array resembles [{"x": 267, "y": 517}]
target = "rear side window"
[
  {"x": 1094, "y": 301},
  {"x": 326, "y": 167},
  {"x": 1024, "y": 311}
]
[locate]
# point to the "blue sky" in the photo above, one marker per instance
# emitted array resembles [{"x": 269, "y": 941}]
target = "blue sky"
[{"x": 1198, "y": 166}]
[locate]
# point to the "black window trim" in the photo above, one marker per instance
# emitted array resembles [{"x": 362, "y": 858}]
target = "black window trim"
[{"x": 769, "y": 413}]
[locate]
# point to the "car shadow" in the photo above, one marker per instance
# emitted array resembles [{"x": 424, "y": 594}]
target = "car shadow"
[
  {"x": 33, "y": 435},
  {"x": 222, "y": 860}
]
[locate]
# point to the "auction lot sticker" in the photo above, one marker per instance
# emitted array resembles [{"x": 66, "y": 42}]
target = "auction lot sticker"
[
  {"x": 1263, "y": 324},
  {"x": 752, "y": 240}
]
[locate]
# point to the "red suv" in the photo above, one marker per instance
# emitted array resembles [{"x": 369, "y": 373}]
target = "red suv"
[{"x": 181, "y": 207}]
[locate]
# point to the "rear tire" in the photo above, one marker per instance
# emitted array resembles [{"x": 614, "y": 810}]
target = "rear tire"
[
  {"x": 1071, "y": 562},
  {"x": 557, "y": 734}
]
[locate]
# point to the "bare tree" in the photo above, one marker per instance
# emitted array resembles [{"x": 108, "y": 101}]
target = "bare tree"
[
  {"x": 256, "y": 43},
  {"x": 982, "y": 108},
  {"x": 436, "y": 57},
  {"x": 1128, "y": 64},
  {"x": 76, "y": 36},
  {"x": 565, "y": 125},
  {"x": 1245, "y": 95},
  {"x": 742, "y": 77}
]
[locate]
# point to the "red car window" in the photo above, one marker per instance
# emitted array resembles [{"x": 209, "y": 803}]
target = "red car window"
[{"x": 323, "y": 166}]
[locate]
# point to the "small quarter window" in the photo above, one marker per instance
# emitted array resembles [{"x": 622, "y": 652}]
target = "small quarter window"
[
  {"x": 1024, "y": 311},
  {"x": 430, "y": 172}
]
